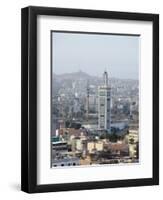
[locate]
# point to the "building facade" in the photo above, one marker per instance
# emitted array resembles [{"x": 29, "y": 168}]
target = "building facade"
[{"x": 104, "y": 102}]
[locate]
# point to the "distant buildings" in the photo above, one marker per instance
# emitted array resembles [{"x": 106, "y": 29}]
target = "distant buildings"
[{"x": 104, "y": 102}]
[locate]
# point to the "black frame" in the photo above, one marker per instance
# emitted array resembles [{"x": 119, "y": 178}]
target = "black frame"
[{"x": 29, "y": 99}]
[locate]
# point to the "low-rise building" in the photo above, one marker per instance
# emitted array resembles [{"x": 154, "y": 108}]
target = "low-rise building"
[
  {"x": 133, "y": 140},
  {"x": 93, "y": 146},
  {"x": 118, "y": 149},
  {"x": 67, "y": 161}
]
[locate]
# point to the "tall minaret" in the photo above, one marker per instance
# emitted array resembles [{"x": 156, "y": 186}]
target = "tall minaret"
[
  {"x": 105, "y": 78},
  {"x": 87, "y": 101},
  {"x": 104, "y": 102}
]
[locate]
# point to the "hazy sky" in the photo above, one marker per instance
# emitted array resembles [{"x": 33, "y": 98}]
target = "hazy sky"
[{"x": 94, "y": 53}]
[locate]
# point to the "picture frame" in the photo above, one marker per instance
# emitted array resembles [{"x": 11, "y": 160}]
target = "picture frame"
[{"x": 29, "y": 97}]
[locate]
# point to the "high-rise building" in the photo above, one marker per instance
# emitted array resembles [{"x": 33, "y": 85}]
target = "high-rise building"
[{"x": 104, "y": 102}]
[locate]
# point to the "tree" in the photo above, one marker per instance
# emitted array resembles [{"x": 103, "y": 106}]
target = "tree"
[{"x": 113, "y": 137}]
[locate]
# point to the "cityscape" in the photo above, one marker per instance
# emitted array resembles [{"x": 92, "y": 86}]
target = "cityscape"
[
  {"x": 95, "y": 120},
  {"x": 94, "y": 110}
]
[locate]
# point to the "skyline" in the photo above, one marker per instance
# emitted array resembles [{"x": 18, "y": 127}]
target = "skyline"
[
  {"x": 91, "y": 53},
  {"x": 99, "y": 76}
]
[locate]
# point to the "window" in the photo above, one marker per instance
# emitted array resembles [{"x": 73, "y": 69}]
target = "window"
[{"x": 102, "y": 93}]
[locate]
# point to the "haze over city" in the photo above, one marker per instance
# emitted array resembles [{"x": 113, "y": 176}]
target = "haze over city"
[{"x": 94, "y": 53}]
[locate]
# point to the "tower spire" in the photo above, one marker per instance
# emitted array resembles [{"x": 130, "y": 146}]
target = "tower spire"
[{"x": 105, "y": 78}]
